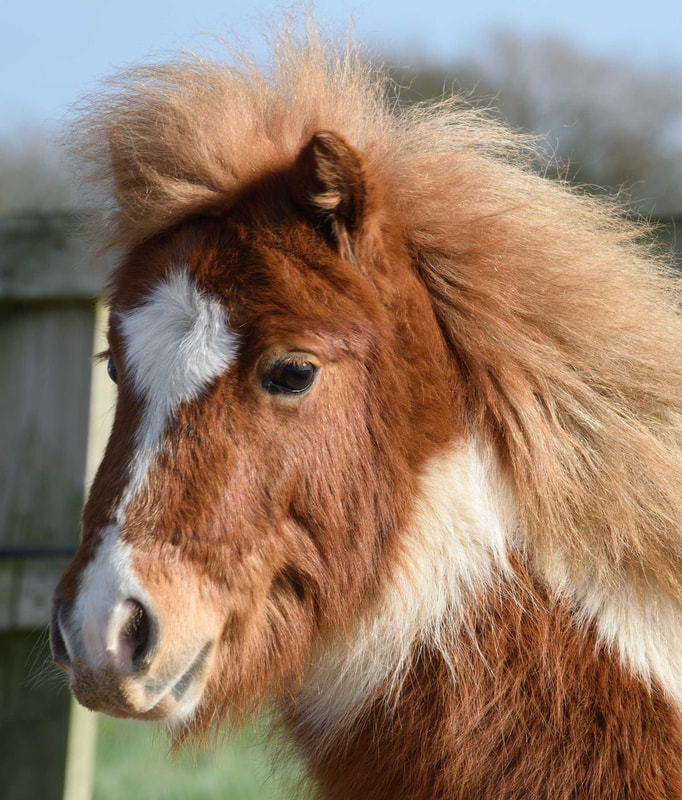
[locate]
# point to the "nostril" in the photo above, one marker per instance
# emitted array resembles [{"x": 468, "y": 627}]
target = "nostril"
[
  {"x": 57, "y": 644},
  {"x": 135, "y": 635}
]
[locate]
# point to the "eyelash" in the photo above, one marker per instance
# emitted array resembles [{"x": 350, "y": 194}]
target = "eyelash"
[{"x": 106, "y": 355}]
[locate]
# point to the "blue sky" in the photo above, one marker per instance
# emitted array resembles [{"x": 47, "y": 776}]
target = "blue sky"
[{"x": 51, "y": 53}]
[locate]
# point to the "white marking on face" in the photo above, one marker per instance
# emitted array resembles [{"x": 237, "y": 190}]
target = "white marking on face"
[
  {"x": 464, "y": 523},
  {"x": 175, "y": 344}
]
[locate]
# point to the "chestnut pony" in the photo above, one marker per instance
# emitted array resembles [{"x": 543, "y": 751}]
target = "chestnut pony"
[{"x": 397, "y": 444}]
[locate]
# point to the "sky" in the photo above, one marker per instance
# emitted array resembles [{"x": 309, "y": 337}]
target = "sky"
[{"x": 52, "y": 53}]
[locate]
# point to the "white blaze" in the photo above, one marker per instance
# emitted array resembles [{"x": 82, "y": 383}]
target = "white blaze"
[{"x": 175, "y": 344}]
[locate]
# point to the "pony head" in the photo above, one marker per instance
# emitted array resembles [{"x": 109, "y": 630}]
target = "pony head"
[{"x": 265, "y": 445}]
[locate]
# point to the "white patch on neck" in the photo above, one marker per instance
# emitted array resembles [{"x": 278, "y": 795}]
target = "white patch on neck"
[
  {"x": 644, "y": 628},
  {"x": 176, "y": 343},
  {"x": 464, "y": 527},
  {"x": 464, "y": 524}
]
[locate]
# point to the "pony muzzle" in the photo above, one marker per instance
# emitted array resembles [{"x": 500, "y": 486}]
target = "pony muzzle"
[{"x": 114, "y": 662}]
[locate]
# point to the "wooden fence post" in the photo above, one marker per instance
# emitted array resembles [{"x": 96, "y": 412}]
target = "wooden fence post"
[{"x": 80, "y": 753}]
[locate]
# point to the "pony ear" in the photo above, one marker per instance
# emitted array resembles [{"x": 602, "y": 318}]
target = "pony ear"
[{"x": 331, "y": 185}]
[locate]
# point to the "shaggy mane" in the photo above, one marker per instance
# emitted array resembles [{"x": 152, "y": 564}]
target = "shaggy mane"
[{"x": 561, "y": 318}]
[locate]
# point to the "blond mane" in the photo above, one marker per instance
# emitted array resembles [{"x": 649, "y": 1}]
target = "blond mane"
[{"x": 562, "y": 319}]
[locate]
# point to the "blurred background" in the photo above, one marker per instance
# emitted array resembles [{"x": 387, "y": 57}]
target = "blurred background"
[{"x": 600, "y": 84}]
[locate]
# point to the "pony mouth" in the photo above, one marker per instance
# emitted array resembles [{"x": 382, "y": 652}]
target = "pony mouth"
[
  {"x": 180, "y": 697},
  {"x": 173, "y": 700}
]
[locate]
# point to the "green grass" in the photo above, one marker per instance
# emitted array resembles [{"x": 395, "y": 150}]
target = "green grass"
[{"x": 133, "y": 761}]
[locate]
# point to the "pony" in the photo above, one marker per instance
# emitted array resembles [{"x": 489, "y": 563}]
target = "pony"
[{"x": 397, "y": 443}]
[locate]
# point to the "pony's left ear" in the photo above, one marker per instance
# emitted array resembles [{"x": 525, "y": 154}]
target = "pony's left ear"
[{"x": 332, "y": 186}]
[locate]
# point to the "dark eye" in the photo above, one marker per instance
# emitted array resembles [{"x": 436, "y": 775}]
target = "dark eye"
[
  {"x": 111, "y": 369},
  {"x": 293, "y": 377}
]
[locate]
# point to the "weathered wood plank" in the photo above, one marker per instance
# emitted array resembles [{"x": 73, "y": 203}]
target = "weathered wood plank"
[
  {"x": 45, "y": 364},
  {"x": 26, "y": 589},
  {"x": 35, "y": 582},
  {"x": 43, "y": 257}
]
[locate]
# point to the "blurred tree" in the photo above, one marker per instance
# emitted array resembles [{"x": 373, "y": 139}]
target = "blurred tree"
[
  {"x": 603, "y": 123},
  {"x": 32, "y": 176}
]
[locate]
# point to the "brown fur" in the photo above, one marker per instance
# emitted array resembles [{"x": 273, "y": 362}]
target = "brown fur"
[{"x": 446, "y": 292}]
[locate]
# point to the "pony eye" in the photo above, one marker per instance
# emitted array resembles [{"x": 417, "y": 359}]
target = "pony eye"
[
  {"x": 111, "y": 369},
  {"x": 292, "y": 377}
]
